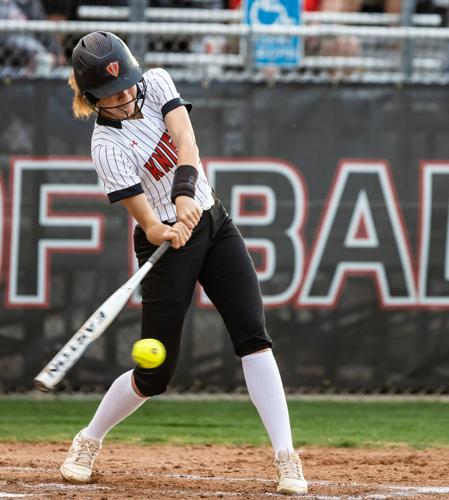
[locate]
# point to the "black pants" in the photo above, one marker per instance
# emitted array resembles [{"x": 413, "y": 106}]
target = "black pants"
[{"x": 217, "y": 257}]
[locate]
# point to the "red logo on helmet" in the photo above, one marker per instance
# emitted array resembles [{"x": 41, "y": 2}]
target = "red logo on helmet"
[{"x": 113, "y": 69}]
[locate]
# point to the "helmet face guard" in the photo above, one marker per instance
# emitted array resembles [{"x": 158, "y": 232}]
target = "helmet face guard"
[
  {"x": 103, "y": 66},
  {"x": 141, "y": 93}
]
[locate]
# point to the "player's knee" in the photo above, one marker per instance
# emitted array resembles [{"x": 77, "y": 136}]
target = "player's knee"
[
  {"x": 149, "y": 390},
  {"x": 254, "y": 344},
  {"x": 151, "y": 382}
]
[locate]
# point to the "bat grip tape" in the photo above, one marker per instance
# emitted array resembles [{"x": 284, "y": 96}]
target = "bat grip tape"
[{"x": 157, "y": 254}]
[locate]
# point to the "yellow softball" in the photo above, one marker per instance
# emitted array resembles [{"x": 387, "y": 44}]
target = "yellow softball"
[{"x": 148, "y": 353}]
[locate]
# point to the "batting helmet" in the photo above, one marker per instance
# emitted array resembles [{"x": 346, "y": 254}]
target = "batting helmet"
[{"x": 103, "y": 65}]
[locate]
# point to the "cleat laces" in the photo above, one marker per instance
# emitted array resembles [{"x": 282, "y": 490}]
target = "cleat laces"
[
  {"x": 84, "y": 453},
  {"x": 291, "y": 467}
]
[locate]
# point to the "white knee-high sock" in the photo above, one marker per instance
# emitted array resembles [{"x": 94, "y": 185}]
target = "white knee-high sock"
[
  {"x": 119, "y": 402},
  {"x": 267, "y": 394}
]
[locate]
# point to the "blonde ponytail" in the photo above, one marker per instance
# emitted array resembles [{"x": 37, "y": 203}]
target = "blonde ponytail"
[{"x": 80, "y": 105}]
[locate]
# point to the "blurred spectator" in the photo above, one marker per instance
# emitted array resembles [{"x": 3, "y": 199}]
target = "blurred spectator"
[
  {"x": 395, "y": 7},
  {"x": 387, "y": 6},
  {"x": 67, "y": 10},
  {"x": 432, "y": 7},
  {"x": 61, "y": 10},
  {"x": 340, "y": 5},
  {"x": 23, "y": 50},
  {"x": 344, "y": 46}
]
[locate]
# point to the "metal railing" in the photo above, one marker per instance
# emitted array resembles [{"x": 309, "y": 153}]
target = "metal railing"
[
  {"x": 236, "y": 16},
  {"x": 205, "y": 50}
]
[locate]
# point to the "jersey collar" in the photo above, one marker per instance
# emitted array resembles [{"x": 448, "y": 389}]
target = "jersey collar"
[{"x": 101, "y": 120}]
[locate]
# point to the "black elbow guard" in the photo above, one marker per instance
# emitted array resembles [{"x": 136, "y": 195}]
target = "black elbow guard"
[{"x": 184, "y": 182}]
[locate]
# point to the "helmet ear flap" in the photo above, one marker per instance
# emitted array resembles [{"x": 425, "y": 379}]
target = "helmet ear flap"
[{"x": 92, "y": 100}]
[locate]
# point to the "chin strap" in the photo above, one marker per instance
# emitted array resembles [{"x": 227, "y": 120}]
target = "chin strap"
[{"x": 141, "y": 92}]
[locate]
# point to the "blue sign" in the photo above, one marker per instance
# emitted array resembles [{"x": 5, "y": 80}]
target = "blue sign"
[{"x": 268, "y": 50}]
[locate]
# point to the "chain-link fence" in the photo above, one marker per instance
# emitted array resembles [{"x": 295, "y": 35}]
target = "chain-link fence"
[
  {"x": 214, "y": 44},
  {"x": 200, "y": 44}
]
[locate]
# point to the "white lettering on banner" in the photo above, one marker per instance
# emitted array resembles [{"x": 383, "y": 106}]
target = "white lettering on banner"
[
  {"x": 238, "y": 213},
  {"x": 433, "y": 254},
  {"x": 277, "y": 228},
  {"x": 362, "y": 232},
  {"x": 268, "y": 250},
  {"x": 21, "y": 168},
  {"x": 367, "y": 177}
]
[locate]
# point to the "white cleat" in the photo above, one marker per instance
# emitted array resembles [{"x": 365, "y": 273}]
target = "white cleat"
[
  {"x": 290, "y": 476},
  {"x": 80, "y": 459}
]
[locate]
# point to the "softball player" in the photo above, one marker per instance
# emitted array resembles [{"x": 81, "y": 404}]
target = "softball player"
[{"x": 144, "y": 151}]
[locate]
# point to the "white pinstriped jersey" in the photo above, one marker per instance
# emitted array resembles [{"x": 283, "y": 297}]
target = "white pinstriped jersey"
[{"x": 138, "y": 156}]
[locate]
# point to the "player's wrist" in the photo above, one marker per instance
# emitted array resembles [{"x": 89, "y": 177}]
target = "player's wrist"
[
  {"x": 182, "y": 199},
  {"x": 184, "y": 182},
  {"x": 154, "y": 233}
]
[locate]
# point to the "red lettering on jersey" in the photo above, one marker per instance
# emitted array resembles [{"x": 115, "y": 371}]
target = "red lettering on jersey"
[
  {"x": 159, "y": 160},
  {"x": 169, "y": 152},
  {"x": 166, "y": 141},
  {"x": 162, "y": 160},
  {"x": 154, "y": 171}
]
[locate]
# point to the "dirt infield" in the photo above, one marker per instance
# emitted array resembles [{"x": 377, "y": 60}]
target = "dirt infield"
[{"x": 165, "y": 472}]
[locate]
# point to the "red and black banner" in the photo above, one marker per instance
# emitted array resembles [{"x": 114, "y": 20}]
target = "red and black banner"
[{"x": 342, "y": 196}]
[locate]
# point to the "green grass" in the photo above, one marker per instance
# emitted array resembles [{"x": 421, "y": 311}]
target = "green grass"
[{"x": 322, "y": 423}]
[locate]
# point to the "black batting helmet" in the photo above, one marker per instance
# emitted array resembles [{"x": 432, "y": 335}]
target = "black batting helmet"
[{"x": 103, "y": 65}]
